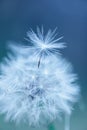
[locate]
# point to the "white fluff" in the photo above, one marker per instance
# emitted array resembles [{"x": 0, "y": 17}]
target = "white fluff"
[{"x": 37, "y": 94}]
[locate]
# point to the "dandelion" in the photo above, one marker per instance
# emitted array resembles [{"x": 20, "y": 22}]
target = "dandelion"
[{"x": 37, "y": 90}]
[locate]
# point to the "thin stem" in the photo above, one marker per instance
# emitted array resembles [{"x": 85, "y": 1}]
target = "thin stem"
[
  {"x": 39, "y": 60},
  {"x": 67, "y": 121},
  {"x": 51, "y": 127}
]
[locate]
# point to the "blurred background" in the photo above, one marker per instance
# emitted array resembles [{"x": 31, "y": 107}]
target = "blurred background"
[{"x": 70, "y": 17}]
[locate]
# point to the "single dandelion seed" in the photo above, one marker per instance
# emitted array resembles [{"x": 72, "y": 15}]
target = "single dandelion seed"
[{"x": 45, "y": 44}]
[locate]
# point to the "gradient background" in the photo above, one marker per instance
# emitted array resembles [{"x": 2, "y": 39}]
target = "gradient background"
[{"x": 70, "y": 16}]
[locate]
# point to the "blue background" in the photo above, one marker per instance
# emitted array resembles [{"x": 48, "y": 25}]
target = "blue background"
[{"x": 70, "y": 17}]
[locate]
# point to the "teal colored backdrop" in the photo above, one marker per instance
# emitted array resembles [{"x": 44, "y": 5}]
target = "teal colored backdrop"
[{"x": 70, "y": 17}]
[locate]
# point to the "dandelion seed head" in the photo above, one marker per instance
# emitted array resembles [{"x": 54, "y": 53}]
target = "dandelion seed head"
[
  {"x": 37, "y": 96},
  {"x": 37, "y": 85}
]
